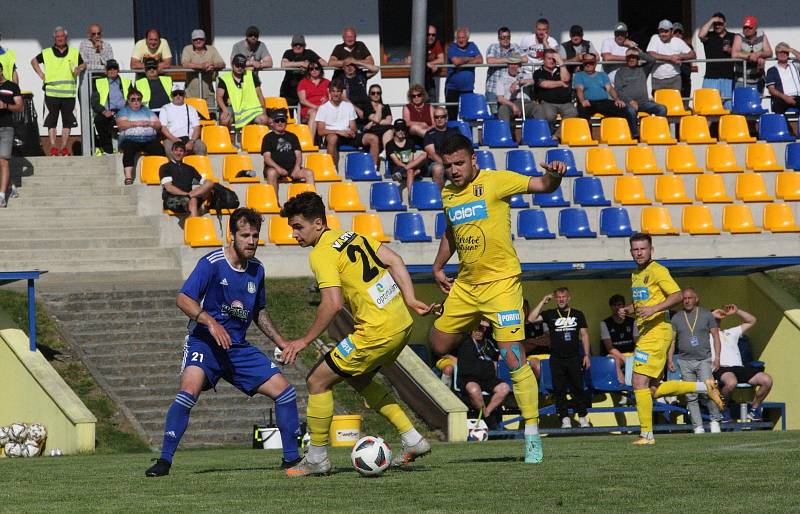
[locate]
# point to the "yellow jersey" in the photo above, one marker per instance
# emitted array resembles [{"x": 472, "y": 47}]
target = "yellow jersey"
[
  {"x": 480, "y": 217},
  {"x": 651, "y": 286},
  {"x": 350, "y": 261}
]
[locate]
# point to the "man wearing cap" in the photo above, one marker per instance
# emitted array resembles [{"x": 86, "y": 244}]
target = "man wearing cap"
[
  {"x": 718, "y": 43},
  {"x": 511, "y": 94},
  {"x": 94, "y": 51},
  {"x": 155, "y": 88},
  {"x": 296, "y": 59},
  {"x": 615, "y": 48},
  {"x": 256, "y": 52},
  {"x": 206, "y": 60},
  {"x": 404, "y": 162},
  {"x": 282, "y": 154},
  {"x": 181, "y": 122},
  {"x": 153, "y": 46},
  {"x": 107, "y": 99},
  {"x": 350, "y": 47},
  {"x": 239, "y": 97},
  {"x": 336, "y": 121},
  {"x": 752, "y": 44},
  {"x": 553, "y": 90},
  {"x": 184, "y": 189},
  {"x": 8, "y": 59},
  {"x": 783, "y": 80},
  {"x": 572, "y": 50},
  {"x": 631, "y": 85},
  {"x": 670, "y": 51},
  {"x": 10, "y": 102},
  {"x": 499, "y": 53}
]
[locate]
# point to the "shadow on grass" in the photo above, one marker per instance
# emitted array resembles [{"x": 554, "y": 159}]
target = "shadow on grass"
[{"x": 228, "y": 470}]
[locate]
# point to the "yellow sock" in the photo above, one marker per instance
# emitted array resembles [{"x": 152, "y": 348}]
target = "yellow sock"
[
  {"x": 675, "y": 387},
  {"x": 319, "y": 414},
  {"x": 644, "y": 406},
  {"x": 526, "y": 392},
  {"x": 381, "y": 400}
]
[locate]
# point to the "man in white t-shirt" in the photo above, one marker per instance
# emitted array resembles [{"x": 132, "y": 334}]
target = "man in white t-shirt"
[
  {"x": 534, "y": 45},
  {"x": 336, "y": 121},
  {"x": 670, "y": 51},
  {"x": 614, "y": 49},
  {"x": 180, "y": 122},
  {"x": 732, "y": 370}
]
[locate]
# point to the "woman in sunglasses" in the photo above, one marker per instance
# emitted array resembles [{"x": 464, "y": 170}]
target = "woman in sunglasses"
[
  {"x": 138, "y": 132},
  {"x": 312, "y": 92},
  {"x": 418, "y": 113},
  {"x": 378, "y": 116}
]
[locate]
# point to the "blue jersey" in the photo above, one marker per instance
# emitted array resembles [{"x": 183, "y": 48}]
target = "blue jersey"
[{"x": 230, "y": 296}]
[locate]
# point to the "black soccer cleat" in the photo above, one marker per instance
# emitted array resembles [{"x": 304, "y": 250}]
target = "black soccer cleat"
[
  {"x": 286, "y": 464},
  {"x": 159, "y": 469}
]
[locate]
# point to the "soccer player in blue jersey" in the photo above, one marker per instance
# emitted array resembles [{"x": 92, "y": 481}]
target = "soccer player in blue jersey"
[{"x": 222, "y": 296}]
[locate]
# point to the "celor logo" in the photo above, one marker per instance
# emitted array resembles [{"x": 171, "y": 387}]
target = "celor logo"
[
  {"x": 467, "y": 212},
  {"x": 507, "y": 318}
]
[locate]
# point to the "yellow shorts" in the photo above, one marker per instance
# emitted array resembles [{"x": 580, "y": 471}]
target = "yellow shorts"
[
  {"x": 650, "y": 356},
  {"x": 355, "y": 355},
  {"x": 443, "y": 363},
  {"x": 500, "y": 302}
]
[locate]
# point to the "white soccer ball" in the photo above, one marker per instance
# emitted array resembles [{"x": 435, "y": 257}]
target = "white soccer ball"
[
  {"x": 4, "y": 436},
  {"x": 477, "y": 430},
  {"x": 56, "y": 452},
  {"x": 371, "y": 456},
  {"x": 13, "y": 450},
  {"x": 29, "y": 449},
  {"x": 278, "y": 353},
  {"x": 17, "y": 432},
  {"x": 37, "y": 433}
]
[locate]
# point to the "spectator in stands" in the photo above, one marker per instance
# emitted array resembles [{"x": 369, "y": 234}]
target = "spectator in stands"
[
  {"x": 206, "y": 60},
  {"x": 355, "y": 84},
  {"x": 631, "y": 85},
  {"x": 534, "y": 45},
  {"x": 405, "y": 163},
  {"x": 718, "y": 44},
  {"x": 460, "y": 80},
  {"x": 350, "y": 47},
  {"x": 752, "y": 44},
  {"x": 618, "y": 335},
  {"x": 312, "y": 92},
  {"x": 154, "y": 87},
  {"x": 282, "y": 154},
  {"x": 694, "y": 332},
  {"x": 377, "y": 119},
  {"x": 418, "y": 113},
  {"x": 62, "y": 65},
  {"x": 569, "y": 338},
  {"x": 686, "y": 68},
  {"x": 183, "y": 188},
  {"x": 500, "y": 53},
  {"x": 511, "y": 91},
  {"x": 10, "y": 102},
  {"x": 596, "y": 94},
  {"x": 181, "y": 122},
  {"x": 108, "y": 98},
  {"x": 239, "y": 97},
  {"x": 783, "y": 80},
  {"x": 298, "y": 58},
  {"x": 94, "y": 51},
  {"x": 572, "y": 51},
  {"x": 670, "y": 51},
  {"x": 433, "y": 143},
  {"x": 254, "y": 50},
  {"x": 153, "y": 46},
  {"x": 434, "y": 57},
  {"x": 138, "y": 132},
  {"x": 732, "y": 370},
  {"x": 552, "y": 90},
  {"x": 336, "y": 121},
  {"x": 537, "y": 340},
  {"x": 8, "y": 59},
  {"x": 615, "y": 49}
]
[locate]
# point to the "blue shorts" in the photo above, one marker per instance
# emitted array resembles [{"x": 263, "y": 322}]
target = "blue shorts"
[{"x": 244, "y": 367}]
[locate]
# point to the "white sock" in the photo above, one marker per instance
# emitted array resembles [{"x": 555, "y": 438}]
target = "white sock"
[
  {"x": 646, "y": 435},
  {"x": 2, "y": 196},
  {"x": 532, "y": 429},
  {"x": 317, "y": 454},
  {"x": 701, "y": 387},
  {"x": 411, "y": 437}
]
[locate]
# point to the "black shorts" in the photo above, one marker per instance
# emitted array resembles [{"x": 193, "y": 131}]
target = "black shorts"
[
  {"x": 487, "y": 383},
  {"x": 743, "y": 373},
  {"x": 64, "y": 106}
]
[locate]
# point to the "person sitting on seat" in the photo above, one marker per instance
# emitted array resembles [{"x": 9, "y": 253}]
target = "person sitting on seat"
[
  {"x": 181, "y": 122},
  {"x": 282, "y": 154},
  {"x": 184, "y": 189},
  {"x": 336, "y": 121},
  {"x": 138, "y": 132},
  {"x": 239, "y": 97},
  {"x": 618, "y": 335},
  {"x": 405, "y": 163},
  {"x": 155, "y": 88}
]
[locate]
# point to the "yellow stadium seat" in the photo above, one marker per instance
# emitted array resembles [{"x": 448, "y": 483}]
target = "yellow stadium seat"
[
  {"x": 576, "y": 132},
  {"x": 252, "y": 135},
  {"x": 278, "y": 102},
  {"x": 761, "y": 157},
  {"x": 333, "y": 221},
  {"x": 296, "y": 188},
  {"x": 721, "y": 159},
  {"x": 630, "y": 191},
  {"x": 778, "y": 217},
  {"x": 600, "y": 161},
  {"x": 229, "y": 239},
  {"x": 787, "y": 186},
  {"x": 640, "y": 160},
  {"x": 199, "y": 231},
  {"x": 149, "y": 171},
  {"x": 615, "y": 131},
  {"x": 303, "y": 133},
  {"x": 217, "y": 139},
  {"x": 681, "y": 159},
  {"x": 343, "y": 197},
  {"x": 671, "y": 99},
  {"x": 370, "y": 225},
  {"x": 322, "y": 166},
  {"x": 750, "y": 187},
  {"x": 737, "y": 219},
  {"x": 654, "y": 130},
  {"x": 202, "y": 109},
  {"x": 733, "y": 129},
  {"x": 694, "y": 130},
  {"x": 657, "y": 221},
  {"x": 670, "y": 189},
  {"x": 708, "y": 102},
  {"x": 203, "y": 166},
  {"x": 233, "y": 164},
  {"x": 696, "y": 220},
  {"x": 262, "y": 198},
  {"x": 710, "y": 189},
  {"x": 280, "y": 233}
]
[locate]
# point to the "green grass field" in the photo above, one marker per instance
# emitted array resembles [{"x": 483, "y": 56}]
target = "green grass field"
[{"x": 732, "y": 472}]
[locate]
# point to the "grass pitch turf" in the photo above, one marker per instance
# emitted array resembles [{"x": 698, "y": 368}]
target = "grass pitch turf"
[{"x": 732, "y": 472}]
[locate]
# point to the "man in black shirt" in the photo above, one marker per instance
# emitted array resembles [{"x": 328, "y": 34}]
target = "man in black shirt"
[
  {"x": 618, "y": 335},
  {"x": 552, "y": 90},
  {"x": 297, "y": 57},
  {"x": 433, "y": 141},
  {"x": 10, "y": 102},
  {"x": 179, "y": 180},
  {"x": 350, "y": 47},
  {"x": 282, "y": 154},
  {"x": 477, "y": 372},
  {"x": 355, "y": 84},
  {"x": 717, "y": 44}
]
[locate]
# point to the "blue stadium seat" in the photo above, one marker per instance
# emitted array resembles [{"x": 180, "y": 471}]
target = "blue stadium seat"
[
  {"x": 554, "y": 199},
  {"x": 409, "y": 228},
  {"x": 473, "y": 107},
  {"x": 546, "y": 377},
  {"x": 588, "y": 192},
  {"x": 440, "y": 226},
  {"x": 426, "y": 196},
  {"x": 522, "y": 161},
  {"x": 532, "y": 224},
  {"x": 537, "y": 133},
  {"x": 360, "y": 166},
  {"x": 518, "y": 202},
  {"x": 774, "y": 129},
  {"x": 485, "y": 160},
  {"x": 464, "y": 128},
  {"x": 747, "y": 100},
  {"x": 503, "y": 373},
  {"x": 615, "y": 222},
  {"x": 573, "y": 222},
  {"x": 793, "y": 156},
  {"x": 385, "y": 196},
  {"x": 497, "y": 134},
  {"x": 603, "y": 376},
  {"x": 566, "y": 156}
]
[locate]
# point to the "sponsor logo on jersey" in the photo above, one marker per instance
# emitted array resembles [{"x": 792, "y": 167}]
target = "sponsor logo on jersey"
[
  {"x": 345, "y": 347},
  {"x": 640, "y": 356},
  {"x": 466, "y": 212},
  {"x": 640, "y": 294},
  {"x": 224, "y": 282},
  {"x": 235, "y": 310},
  {"x": 508, "y": 318},
  {"x": 477, "y": 189},
  {"x": 251, "y": 287},
  {"x": 343, "y": 240},
  {"x": 384, "y": 290}
]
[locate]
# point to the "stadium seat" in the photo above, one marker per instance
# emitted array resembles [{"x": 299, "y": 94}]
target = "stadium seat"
[
  {"x": 303, "y": 133},
  {"x": 792, "y": 156},
  {"x": 252, "y": 136},
  {"x": 696, "y": 220},
  {"x": 671, "y": 99},
  {"x": 522, "y": 161},
  {"x": 630, "y": 191},
  {"x": 746, "y": 101},
  {"x": 218, "y": 139},
  {"x": 233, "y": 164},
  {"x": 279, "y": 102},
  {"x": 708, "y": 102},
  {"x": 681, "y": 159},
  {"x": 546, "y": 377},
  {"x": 537, "y": 133},
  {"x": 262, "y": 198},
  {"x": 280, "y": 233},
  {"x": 151, "y": 164},
  {"x": 554, "y": 199},
  {"x": 464, "y": 128},
  {"x": 603, "y": 375},
  {"x": 737, "y": 219},
  {"x": 566, "y": 156},
  {"x": 787, "y": 186},
  {"x": 588, "y": 192},
  {"x": 532, "y": 224},
  {"x": 409, "y": 228},
  {"x": 694, "y": 130},
  {"x": 575, "y": 132},
  {"x": 573, "y": 222},
  {"x": 710, "y": 188},
  {"x": 426, "y": 196},
  {"x": 343, "y": 197},
  {"x": 440, "y": 225},
  {"x": 199, "y": 231},
  {"x": 201, "y": 106},
  {"x": 761, "y": 157},
  {"x": 203, "y": 166},
  {"x": 485, "y": 160},
  {"x": 615, "y": 131},
  {"x": 497, "y": 134},
  {"x": 600, "y": 161},
  {"x": 670, "y": 189},
  {"x": 615, "y": 222},
  {"x": 370, "y": 225},
  {"x": 322, "y": 166},
  {"x": 385, "y": 196},
  {"x": 657, "y": 221},
  {"x": 360, "y": 166},
  {"x": 721, "y": 159},
  {"x": 333, "y": 221},
  {"x": 773, "y": 128},
  {"x": 733, "y": 129},
  {"x": 296, "y": 188},
  {"x": 641, "y": 160},
  {"x": 778, "y": 217},
  {"x": 473, "y": 107},
  {"x": 518, "y": 202},
  {"x": 654, "y": 130},
  {"x": 750, "y": 187}
]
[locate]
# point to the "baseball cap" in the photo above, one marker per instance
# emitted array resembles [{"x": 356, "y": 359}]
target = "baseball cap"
[
  {"x": 575, "y": 30},
  {"x": 112, "y": 64},
  {"x": 198, "y": 34},
  {"x": 176, "y": 92},
  {"x": 677, "y": 27},
  {"x": 400, "y": 124},
  {"x": 750, "y": 21},
  {"x": 279, "y": 115},
  {"x": 150, "y": 63},
  {"x": 621, "y": 27},
  {"x": 298, "y": 39},
  {"x": 514, "y": 58},
  {"x": 631, "y": 51},
  {"x": 239, "y": 60},
  {"x": 665, "y": 25}
]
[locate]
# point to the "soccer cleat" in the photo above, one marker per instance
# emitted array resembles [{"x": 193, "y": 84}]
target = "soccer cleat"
[
  {"x": 641, "y": 441},
  {"x": 159, "y": 469},
  {"x": 714, "y": 427},
  {"x": 305, "y": 468},
  {"x": 699, "y": 430},
  {"x": 412, "y": 453},
  {"x": 566, "y": 422},
  {"x": 534, "y": 449},
  {"x": 713, "y": 393},
  {"x": 755, "y": 414},
  {"x": 290, "y": 464}
]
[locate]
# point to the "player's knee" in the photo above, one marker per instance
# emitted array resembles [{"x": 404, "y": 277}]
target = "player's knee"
[
  {"x": 502, "y": 389},
  {"x": 765, "y": 380},
  {"x": 185, "y": 399}
]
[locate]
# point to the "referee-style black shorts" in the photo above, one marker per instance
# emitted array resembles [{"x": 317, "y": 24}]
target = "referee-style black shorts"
[{"x": 743, "y": 373}]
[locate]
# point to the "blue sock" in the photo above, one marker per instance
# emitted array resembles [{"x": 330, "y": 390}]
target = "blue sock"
[
  {"x": 176, "y": 423},
  {"x": 288, "y": 422}
]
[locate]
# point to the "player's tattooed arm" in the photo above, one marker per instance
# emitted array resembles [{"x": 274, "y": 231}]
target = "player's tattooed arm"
[{"x": 264, "y": 323}]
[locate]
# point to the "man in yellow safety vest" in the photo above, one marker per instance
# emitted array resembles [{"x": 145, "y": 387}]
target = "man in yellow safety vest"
[
  {"x": 8, "y": 59},
  {"x": 239, "y": 96},
  {"x": 107, "y": 98},
  {"x": 155, "y": 88}
]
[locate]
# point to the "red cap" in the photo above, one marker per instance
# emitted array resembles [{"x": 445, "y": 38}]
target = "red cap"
[{"x": 750, "y": 21}]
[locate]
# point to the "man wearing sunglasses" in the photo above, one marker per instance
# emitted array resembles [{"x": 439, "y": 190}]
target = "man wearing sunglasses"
[
  {"x": 434, "y": 57},
  {"x": 255, "y": 51},
  {"x": 94, "y": 51},
  {"x": 752, "y": 44},
  {"x": 239, "y": 96},
  {"x": 783, "y": 80},
  {"x": 500, "y": 53}
]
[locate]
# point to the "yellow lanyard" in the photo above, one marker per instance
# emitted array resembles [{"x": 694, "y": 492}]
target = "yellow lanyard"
[
  {"x": 694, "y": 324},
  {"x": 568, "y": 312}
]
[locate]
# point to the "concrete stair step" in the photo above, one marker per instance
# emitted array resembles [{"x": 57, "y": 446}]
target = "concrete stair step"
[
  {"x": 160, "y": 394},
  {"x": 130, "y": 361},
  {"x": 45, "y": 232},
  {"x": 99, "y": 254},
  {"x": 75, "y": 191},
  {"x": 110, "y": 313},
  {"x": 125, "y": 294},
  {"x": 80, "y": 210},
  {"x": 104, "y": 179},
  {"x": 140, "y": 303},
  {"x": 122, "y": 265},
  {"x": 111, "y": 346},
  {"x": 119, "y": 224},
  {"x": 94, "y": 324},
  {"x": 120, "y": 241},
  {"x": 94, "y": 339},
  {"x": 63, "y": 201}
]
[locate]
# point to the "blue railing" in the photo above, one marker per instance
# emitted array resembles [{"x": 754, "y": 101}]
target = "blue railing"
[{"x": 7, "y": 277}]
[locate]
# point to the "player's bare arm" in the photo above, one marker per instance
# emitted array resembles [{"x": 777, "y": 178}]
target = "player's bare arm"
[
  {"x": 193, "y": 310},
  {"x": 264, "y": 323},
  {"x": 645, "y": 311},
  {"x": 331, "y": 303},
  {"x": 447, "y": 247},
  {"x": 549, "y": 182},
  {"x": 398, "y": 271}
]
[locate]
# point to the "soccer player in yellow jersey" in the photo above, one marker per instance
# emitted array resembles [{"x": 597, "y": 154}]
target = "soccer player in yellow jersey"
[
  {"x": 373, "y": 280},
  {"x": 488, "y": 284},
  {"x": 654, "y": 292}
]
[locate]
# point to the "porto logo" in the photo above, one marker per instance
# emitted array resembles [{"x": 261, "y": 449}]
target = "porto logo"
[
  {"x": 472, "y": 211},
  {"x": 508, "y": 318},
  {"x": 235, "y": 310},
  {"x": 251, "y": 287},
  {"x": 477, "y": 189}
]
